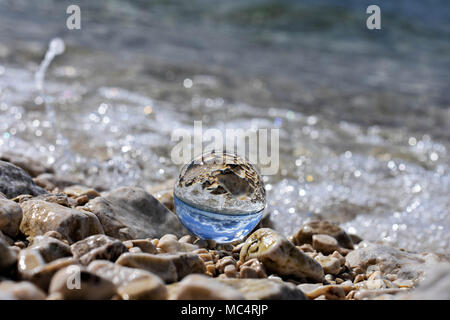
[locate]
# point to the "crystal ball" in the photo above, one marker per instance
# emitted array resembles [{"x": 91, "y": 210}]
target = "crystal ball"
[{"x": 219, "y": 196}]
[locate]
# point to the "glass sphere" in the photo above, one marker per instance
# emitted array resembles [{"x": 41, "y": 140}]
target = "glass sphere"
[{"x": 219, "y": 196}]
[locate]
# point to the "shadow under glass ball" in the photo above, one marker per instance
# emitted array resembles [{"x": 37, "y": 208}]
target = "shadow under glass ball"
[{"x": 219, "y": 196}]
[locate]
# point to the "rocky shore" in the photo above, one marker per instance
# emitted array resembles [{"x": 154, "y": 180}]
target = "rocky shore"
[{"x": 128, "y": 244}]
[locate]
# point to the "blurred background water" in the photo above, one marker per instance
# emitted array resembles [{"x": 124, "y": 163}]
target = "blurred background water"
[{"x": 364, "y": 115}]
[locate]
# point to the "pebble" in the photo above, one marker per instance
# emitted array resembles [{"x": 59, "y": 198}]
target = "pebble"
[
  {"x": 98, "y": 246},
  {"x": 130, "y": 213},
  {"x": 200, "y": 287},
  {"x": 145, "y": 245},
  {"x": 14, "y": 181},
  {"x": 41, "y": 275},
  {"x": 51, "y": 182},
  {"x": 132, "y": 284},
  {"x": 75, "y": 191},
  {"x": 10, "y": 217},
  {"x": 280, "y": 256},
  {"x": 28, "y": 164},
  {"x": 324, "y": 243},
  {"x": 6, "y": 239},
  {"x": 252, "y": 269},
  {"x": 170, "y": 244},
  {"x": 40, "y": 217},
  {"x": 305, "y": 233},
  {"x": 8, "y": 257},
  {"x": 389, "y": 260},
  {"x": 265, "y": 289},
  {"x": 22, "y": 290},
  {"x": 169, "y": 267},
  {"x": 330, "y": 292},
  {"x": 50, "y": 248},
  {"x": 330, "y": 264},
  {"x": 91, "y": 286}
]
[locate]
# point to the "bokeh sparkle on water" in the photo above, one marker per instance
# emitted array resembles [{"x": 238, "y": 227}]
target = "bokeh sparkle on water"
[{"x": 364, "y": 119}]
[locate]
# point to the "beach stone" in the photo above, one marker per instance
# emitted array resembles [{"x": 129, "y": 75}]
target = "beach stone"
[
  {"x": 305, "y": 233},
  {"x": 169, "y": 243},
  {"x": 59, "y": 198},
  {"x": 91, "y": 286},
  {"x": 265, "y": 289},
  {"x": 14, "y": 181},
  {"x": 98, "y": 246},
  {"x": 145, "y": 245},
  {"x": 40, "y": 217},
  {"x": 324, "y": 243},
  {"x": 390, "y": 260},
  {"x": 132, "y": 284},
  {"x": 41, "y": 275},
  {"x": 50, "y": 248},
  {"x": 28, "y": 164},
  {"x": 330, "y": 265},
  {"x": 201, "y": 287},
  {"x": 10, "y": 217},
  {"x": 28, "y": 260},
  {"x": 330, "y": 292},
  {"x": 23, "y": 290},
  {"x": 130, "y": 213},
  {"x": 76, "y": 191},
  {"x": 50, "y": 181},
  {"x": 252, "y": 268},
  {"x": 169, "y": 267},
  {"x": 7, "y": 239},
  {"x": 8, "y": 257},
  {"x": 160, "y": 265},
  {"x": 144, "y": 289},
  {"x": 280, "y": 256}
]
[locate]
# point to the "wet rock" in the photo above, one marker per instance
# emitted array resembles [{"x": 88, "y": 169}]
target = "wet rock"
[
  {"x": 14, "y": 181},
  {"x": 265, "y": 289},
  {"x": 40, "y": 217},
  {"x": 21, "y": 291},
  {"x": 144, "y": 289},
  {"x": 160, "y": 265},
  {"x": 28, "y": 260},
  {"x": 74, "y": 283},
  {"x": 145, "y": 245},
  {"x": 129, "y": 213},
  {"x": 252, "y": 269},
  {"x": 50, "y": 182},
  {"x": 390, "y": 260},
  {"x": 7, "y": 239},
  {"x": 169, "y": 267},
  {"x": 305, "y": 233},
  {"x": 8, "y": 257},
  {"x": 76, "y": 191},
  {"x": 42, "y": 274},
  {"x": 132, "y": 284},
  {"x": 169, "y": 244},
  {"x": 164, "y": 193},
  {"x": 59, "y": 198},
  {"x": 28, "y": 164},
  {"x": 98, "y": 246},
  {"x": 10, "y": 217},
  {"x": 330, "y": 264},
  {"x": 280, "y": 256},
  {"x": 330, "y": 292},
  {"x": 324, "y": 243},
  {"x": 200, "y": 287},
  {"x": 50, "y": 248}
]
